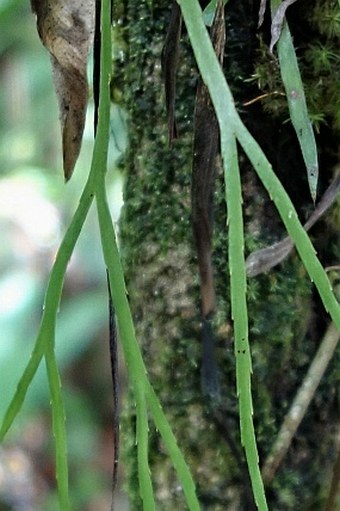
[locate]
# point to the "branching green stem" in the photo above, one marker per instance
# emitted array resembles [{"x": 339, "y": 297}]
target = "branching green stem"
[
  {"x": 232, "y": 130},
  {"x": 58, "y": 422},
  {"x": 50, "y": 308},
  {"x": 229, "y": 119},
  {"x": 231, "y": 126},
  {"x": 44, "y": 345},
  {"x": 143, "y": 392}
]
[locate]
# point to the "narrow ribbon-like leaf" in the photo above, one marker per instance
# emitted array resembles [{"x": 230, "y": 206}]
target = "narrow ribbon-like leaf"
[{"x": 297, "y": 102}]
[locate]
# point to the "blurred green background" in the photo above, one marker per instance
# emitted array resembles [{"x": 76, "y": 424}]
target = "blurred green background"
[{"x": 35, "y": 209}]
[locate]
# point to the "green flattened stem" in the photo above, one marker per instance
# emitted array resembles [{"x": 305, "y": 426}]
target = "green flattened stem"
[
  {"x": 177, "y": 458},
  {"x": 231, "y": 124},
  {"x": 51, "y": 304},
  {"x": 132, "y": 355},
  {"x": 44, "y": 345},
  {"x": 224, "y": 106},
  {"x": 142, "y": 389},
  {"x": 58, "y": 424},
  {"x": 134, "y": 361},
  {"x": 297, "y": 105},
  {"x": 228, "y": 117},
  {"x": 238, "y": 286},
  {"x": 290, "y": 219}
]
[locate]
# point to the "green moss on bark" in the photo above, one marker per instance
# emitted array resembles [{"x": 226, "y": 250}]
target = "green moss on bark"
[{"x": 286, "y": 320}]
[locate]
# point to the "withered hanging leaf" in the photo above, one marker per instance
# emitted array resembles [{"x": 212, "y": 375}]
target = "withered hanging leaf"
[
  {"x": 66, "y": 29},
  {"x": 169, "y": 59},
  {"x": 205, "y": 151},
  {"x": 277, "y": 21},
  {"x": 262, "y": 10}
]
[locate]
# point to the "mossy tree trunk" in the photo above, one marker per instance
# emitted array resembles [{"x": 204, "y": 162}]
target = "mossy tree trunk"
[{"x": 286, "y": 317}]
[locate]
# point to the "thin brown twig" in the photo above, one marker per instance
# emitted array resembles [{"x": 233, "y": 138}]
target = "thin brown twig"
[
  {"x": 263, "y": 96},
  {"x": 334, "y": 267},
  {"x": 301, "y": 402}
]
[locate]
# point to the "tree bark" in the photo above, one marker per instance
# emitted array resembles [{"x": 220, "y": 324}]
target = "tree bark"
[{"x": 285, "y": 315}]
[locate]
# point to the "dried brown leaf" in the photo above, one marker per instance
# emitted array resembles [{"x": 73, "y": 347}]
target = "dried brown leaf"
[
  {"x": 66, "y": 29},
  {"x": 277, "y": 22}
]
